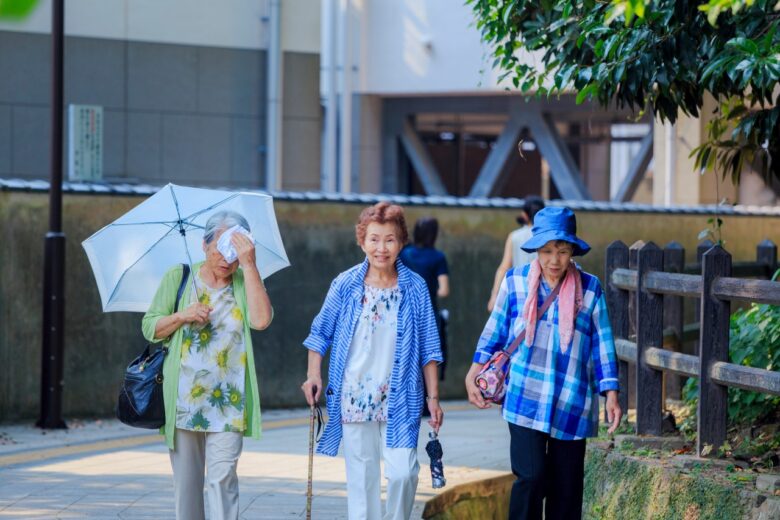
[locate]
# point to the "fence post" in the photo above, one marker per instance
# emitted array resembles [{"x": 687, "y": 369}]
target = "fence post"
[
  {"x": 674, "y": 262},
  {"x": 766, "y": 253},
  {"x": 633, "y": 251},
  {"x": 714, "y": 337},
  {"x": 702, "y": 248},
  {"x": 649, "y": 333},
  {"x": 617, "y": 305}
]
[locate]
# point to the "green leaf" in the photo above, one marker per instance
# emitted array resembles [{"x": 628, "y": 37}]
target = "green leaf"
[
  {"x": 586, "y": 92},
  {"x": 744, "y": 44},
  {"x": 599, "y": 49}
]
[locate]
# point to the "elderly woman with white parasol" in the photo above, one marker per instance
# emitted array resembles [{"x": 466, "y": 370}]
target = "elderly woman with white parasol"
[{"x": 210, "y": 384}]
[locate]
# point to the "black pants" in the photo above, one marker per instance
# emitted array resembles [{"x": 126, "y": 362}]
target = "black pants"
[{"x": 545, "y": 468}]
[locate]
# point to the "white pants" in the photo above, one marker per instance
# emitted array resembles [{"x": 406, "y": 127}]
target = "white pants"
[
  {"x": 363, "y": 444},
  {"x": 217, "y": 453}
]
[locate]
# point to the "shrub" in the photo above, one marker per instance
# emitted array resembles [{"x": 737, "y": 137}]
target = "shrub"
[{"x": 755, "y": 342}]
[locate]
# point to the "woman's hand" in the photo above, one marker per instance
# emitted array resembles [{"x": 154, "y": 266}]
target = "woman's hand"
[
  {"x": 312, "y": 389},
  {"x": 437, "y": 414},
  {"x": 196, "y": 313},
  {"x": 472, "y": 390},
  {"x": 245, "y": 249},
  {"x": 614, "y": 413}
]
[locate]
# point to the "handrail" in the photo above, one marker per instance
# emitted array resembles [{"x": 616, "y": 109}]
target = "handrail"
[
  {"x": 689, "y": 285},
  {"x": 738, "y": 289},
  {"x": 645, "y": 293}
]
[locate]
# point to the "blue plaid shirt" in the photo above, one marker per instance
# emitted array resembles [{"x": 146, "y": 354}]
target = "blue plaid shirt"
[{"x": 549, "y": 390}]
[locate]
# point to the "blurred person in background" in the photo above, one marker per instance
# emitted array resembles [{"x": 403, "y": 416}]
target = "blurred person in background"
[
  {"x": 514, "y": 256},
  {"x": 423, "y": 258}
]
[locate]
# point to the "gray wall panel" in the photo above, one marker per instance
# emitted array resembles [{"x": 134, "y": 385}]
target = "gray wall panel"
[
  {"x": 31, "y": 141},
  {"x": 301, "y": 85},
  {"x": 173, "y": 113},
  {"x": 247, "y": 163},
  {"x": 95, "y": 72},
  {"x": 5, "y": 140},
  {"x": 196, "y": 148},
  {"x": 162, "y": 77},
  {"x": 301, "y": 152},
  {"x": 231, "y": 81},
  {"x": 25, "y": 62},
  {"x": 144, "y": 146},
  {"x": 302, "y": 144}
]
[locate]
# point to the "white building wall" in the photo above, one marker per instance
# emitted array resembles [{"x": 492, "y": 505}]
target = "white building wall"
[
  {"x": 228, "y": 23},
  {"x": 420, "y": 47}
]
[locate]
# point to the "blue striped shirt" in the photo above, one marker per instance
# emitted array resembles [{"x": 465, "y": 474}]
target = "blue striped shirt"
[
  {"x": 417, "y": 344},
  {"x": 549, "y": 390}
]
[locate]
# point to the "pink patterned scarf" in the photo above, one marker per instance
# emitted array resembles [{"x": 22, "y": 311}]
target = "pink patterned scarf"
[{"x": 569, "y": 303}]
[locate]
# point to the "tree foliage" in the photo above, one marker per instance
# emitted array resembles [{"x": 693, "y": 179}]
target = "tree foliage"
[
  {"x": 16, "y": 9},
  {"x": 662, "y": 55}
]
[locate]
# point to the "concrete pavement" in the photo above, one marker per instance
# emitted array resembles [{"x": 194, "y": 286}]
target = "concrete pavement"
[{"x": 107, "y": 470}]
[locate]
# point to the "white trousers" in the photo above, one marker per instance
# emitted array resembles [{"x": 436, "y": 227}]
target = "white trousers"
[
  {"x": 363, "y": 445},
  {"x": 215, "y": 453}
]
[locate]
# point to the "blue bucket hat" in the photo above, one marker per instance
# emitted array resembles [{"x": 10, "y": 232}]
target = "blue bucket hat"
[{"x": 555, "y": 224}]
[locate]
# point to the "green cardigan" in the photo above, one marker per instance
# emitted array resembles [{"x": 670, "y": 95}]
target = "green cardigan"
[{"x": 162, "y": 305}]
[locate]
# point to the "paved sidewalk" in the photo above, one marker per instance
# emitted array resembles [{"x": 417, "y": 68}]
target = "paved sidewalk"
[{"x": 107, "y": 470}]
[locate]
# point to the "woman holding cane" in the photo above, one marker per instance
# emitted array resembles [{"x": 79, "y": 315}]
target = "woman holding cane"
[{"x": 378, "y": 322}]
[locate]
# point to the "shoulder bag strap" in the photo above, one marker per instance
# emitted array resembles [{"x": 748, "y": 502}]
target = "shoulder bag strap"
[
  {"x": 185, "y": 273},
  {"x": 546, "y": 305}
]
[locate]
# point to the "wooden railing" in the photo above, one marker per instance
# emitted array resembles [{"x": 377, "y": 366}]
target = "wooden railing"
[{"x": 645, "y": 290}]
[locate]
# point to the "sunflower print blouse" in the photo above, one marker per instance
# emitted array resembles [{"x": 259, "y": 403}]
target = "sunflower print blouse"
[{"x": 213, "y": 366}]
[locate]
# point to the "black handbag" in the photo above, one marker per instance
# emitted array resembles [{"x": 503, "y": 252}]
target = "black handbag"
[{"x": 141, "y": 403}]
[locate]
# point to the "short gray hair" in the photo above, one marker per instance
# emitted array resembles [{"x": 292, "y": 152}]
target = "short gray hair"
[{"x": 222, "y": 220}]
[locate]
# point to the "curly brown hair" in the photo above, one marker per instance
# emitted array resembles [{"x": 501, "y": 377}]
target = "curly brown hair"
[{"x": 382, "y": 213}]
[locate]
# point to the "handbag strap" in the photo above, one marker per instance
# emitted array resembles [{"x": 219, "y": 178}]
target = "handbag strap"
[
  {"x": 542, "y": 310},
  {"x": 185, "y": 273}
]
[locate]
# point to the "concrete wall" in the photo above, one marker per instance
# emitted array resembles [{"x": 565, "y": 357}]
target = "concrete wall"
[
  {"x": 319, "y": 239},
  {"x": 172, "y": 113}
]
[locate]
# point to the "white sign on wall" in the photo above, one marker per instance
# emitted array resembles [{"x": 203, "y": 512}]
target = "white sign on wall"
[{"x": 85, "y": 142}]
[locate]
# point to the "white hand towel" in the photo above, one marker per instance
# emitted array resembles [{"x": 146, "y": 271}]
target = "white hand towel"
[{"x": 225, "y": 246}]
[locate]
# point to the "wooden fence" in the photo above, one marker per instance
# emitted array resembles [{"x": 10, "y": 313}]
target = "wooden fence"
[{"x": 645, "y": 290}]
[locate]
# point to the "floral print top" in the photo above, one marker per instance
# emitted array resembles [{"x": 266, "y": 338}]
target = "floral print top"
[
  {"x": 213, "y": 366},
  {"x": 370, "y": 361}
]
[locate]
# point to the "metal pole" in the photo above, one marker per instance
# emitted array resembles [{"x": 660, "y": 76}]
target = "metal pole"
[
  {"x": 54, "y": 246},
  {"x": 329, "y": 88},
  {"x": 345, "y": 108},
  {"x": 275, "y": 92}
]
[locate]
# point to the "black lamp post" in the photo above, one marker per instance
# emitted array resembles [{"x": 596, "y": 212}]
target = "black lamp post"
[{"x": 54, "y": 247}]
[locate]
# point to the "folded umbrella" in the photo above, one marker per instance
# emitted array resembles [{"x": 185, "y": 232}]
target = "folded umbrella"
[{"x": 130, "y": 255}]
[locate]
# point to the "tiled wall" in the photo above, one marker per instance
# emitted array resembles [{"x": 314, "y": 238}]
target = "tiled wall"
[{"x": 178, "y": 113}]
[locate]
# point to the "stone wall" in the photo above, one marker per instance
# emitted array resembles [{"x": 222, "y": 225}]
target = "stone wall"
[
  {"x": 319, "y": 239},
  {"x": 623, "y": 487}
]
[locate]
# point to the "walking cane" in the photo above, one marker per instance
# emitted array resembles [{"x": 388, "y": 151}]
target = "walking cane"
[{"x": 315, "y": 412}]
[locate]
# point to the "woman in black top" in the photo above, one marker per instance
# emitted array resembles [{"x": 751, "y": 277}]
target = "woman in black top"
[{"x": 430, "y": 263}]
